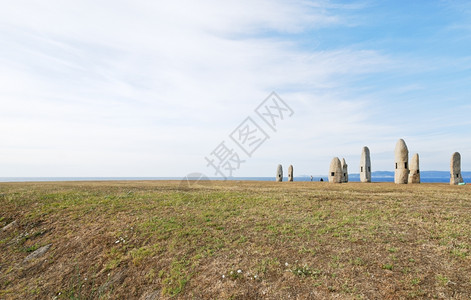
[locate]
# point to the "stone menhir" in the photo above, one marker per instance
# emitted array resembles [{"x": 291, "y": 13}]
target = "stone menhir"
[
  {"x": 401, "y": 159},
  {"x": 290, "y": 173},
  {"x": 335, "y": 171},
  {"x": 279, "y": 173},
  {"x": 455, "y": 169},
  {"x": 414, "y": 173},
  {"x": 344, "y": 170},
  {"x": 365, "y": 165}
]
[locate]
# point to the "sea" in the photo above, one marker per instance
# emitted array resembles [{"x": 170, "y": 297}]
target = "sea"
[{"x": 442, "y": 178}]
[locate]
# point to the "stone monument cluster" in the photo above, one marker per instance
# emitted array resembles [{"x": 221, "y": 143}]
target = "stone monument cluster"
[
  {"x": 279, "y": 173},
  {"x": 404, "y": 173},
  {"x": 338, "y": 172}
]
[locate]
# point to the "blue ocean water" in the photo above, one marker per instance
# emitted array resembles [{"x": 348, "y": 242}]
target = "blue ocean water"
[{"x": 441, "y": 179}]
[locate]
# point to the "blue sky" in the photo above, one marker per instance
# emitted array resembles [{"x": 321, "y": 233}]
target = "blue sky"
[{"x": 147, "y": 88}]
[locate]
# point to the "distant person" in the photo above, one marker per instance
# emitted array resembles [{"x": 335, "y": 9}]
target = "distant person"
[
  {"x": 311, "y": 177},
  {"x": 322, "y": 179}
]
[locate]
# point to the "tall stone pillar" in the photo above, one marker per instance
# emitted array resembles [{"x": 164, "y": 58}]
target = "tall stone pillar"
[
  {"x": 455, "y": 169},
  {"x": 344, "y": 170},
  {"x": 414, "y": 173},
  {"x": 365, "y": 165},
  {"x": 335, "y": 171},
  {"x": 290, "y": 173},
  {"x": 401, "y": 160},
  {"x": 279, "y": 173}
]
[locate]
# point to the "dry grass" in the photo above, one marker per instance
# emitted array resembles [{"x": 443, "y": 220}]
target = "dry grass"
[{"x": 301, "y": 240}]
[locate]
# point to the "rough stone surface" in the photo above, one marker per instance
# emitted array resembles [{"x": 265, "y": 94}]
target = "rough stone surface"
[
  {"x": 290, "y": 173},
  {"x": 116, "y": 279},
  {"x": 414, "y": 171},
  {"x": 365, "y": 165},
  {"x": 279, "y": 173},
  {"x": 10, "y": 226},
  {"x": 335, "y": 171},
  {"x": 401, "y": 161},
  {"x": 455, "y": 169},
  {"x": 344, "y": 170},
  {"x": 38, "y": 253}
]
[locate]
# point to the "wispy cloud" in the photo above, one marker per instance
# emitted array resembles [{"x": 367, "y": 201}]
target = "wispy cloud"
[{"x": 148, "y": 88}]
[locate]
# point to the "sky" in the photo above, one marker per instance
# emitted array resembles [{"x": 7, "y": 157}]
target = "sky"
[{"x": 154, "y": 88}]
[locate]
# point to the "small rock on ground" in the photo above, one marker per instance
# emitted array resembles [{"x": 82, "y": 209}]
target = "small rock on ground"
[
  {"x": 10, "y": 226},
  {"x": 38, "y": 253},
  {"x": 117, "y": 278}
]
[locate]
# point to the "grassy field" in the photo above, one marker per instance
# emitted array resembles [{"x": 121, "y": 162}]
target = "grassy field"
[{"x": 235, "y": 240}]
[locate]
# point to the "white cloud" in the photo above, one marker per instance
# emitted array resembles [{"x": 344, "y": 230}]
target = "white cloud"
[{"x": 148, "y": 88}]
